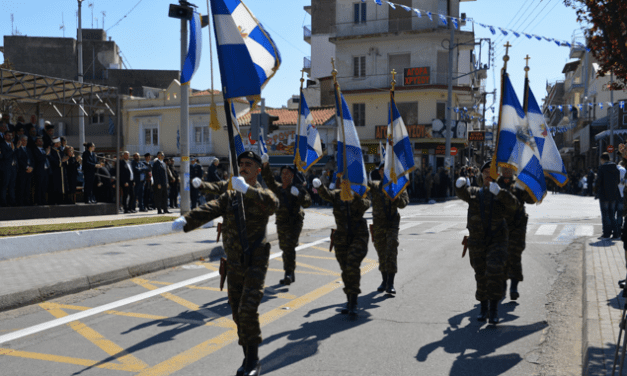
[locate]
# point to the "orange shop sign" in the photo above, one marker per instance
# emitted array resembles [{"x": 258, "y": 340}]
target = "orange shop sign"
[{"x": 417, "y": 76}]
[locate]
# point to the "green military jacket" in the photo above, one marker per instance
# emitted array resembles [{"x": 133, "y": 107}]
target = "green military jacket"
[
  {"x": 518, "y": 216},
  {"x": 291, "y": 207},
  {"x": 384, "y": 210},
  {"x": 491, "y": 224},
  {"x": 349, "y": 216},
  {"x": 259, "y": 205},
  {"x": 215, "y": 188}
]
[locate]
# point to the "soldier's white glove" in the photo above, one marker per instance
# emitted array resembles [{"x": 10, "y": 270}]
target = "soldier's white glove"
[
  {"x": 332, "y": 186},
  {"x": 294, "y": 191},
  {"x": 316, "y": 183},
  {"x": 196, "y": 182},
  {"x": 265, "y": 158},
  {"x": 460, "y": 182},
  {"x": 239, "y": 184},
  {"x": 178, "y": 224},
  {"x": 494, "y": 188}
]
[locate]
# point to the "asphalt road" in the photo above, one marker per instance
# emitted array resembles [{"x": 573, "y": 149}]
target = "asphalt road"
[{"x": 428, "y": 328}]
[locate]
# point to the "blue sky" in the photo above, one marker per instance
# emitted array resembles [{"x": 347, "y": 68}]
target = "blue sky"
[{"x": 148, "y": 39}]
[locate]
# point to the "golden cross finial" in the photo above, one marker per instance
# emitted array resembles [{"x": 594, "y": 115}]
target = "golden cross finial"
[
  {"x": 527, "y": 60},
  {"x": 506, "y": 57},
  {"x": 393, "y": 78},
  {"x": 507, "y": 46}
]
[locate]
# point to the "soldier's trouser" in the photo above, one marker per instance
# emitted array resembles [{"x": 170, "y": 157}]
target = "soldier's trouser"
[
  {"x": 288, "y": 241},
  {"x": 489, "y": 265},
  {"x": 245, "y": 293},
  {"x": 386, "y": 243},
  {"x": 161, "y": 198},
  {"x": 515, "y": 248},
  {"x": 349, "y": 254}
]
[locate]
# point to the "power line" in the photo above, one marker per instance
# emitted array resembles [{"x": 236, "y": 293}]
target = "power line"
[
  {"x": 129, "y": 12},
  {"x": 500, "y": 39}
]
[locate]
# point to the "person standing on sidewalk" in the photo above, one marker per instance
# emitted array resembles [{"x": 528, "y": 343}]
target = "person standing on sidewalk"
[
  {"x": 195, "y": 171},
  {"x": 517, "y": 227},
  {"x": 386, "y": 220},
  {"x": 290, "y": 215},
  {"x": 350, "y": 238},
  {"x": 245, "y": 282},
  {"x": 488, "y": 239},
  {"x": 160, "y": 185},
  {"x": 127, "y": 183},
  {"x": 139, "y": 173},
  {"x": 608, "y": 178}
]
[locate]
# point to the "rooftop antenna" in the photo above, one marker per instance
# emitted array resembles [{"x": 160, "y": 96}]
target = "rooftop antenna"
[
  {"x": 103, "y": 17},
  {"x": 62, "y": 26},
  {"x": 12, "y": 19},
  {"x": 91, "y": 5}
]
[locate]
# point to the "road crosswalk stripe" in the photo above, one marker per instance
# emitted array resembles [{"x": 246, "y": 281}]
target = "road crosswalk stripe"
[
  {"x": 546, "y": 230},
  {"x": 584, "y": 230}
]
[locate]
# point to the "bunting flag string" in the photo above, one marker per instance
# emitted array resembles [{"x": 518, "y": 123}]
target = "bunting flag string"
[
  {"x": 493, "y": 29},
  {"x": 551, "y": 108}
]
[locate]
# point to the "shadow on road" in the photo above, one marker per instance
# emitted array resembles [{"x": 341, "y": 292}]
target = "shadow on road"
[{"x": 476, "y": 341}]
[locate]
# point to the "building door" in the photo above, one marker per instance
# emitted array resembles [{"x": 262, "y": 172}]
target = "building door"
[
  {"x": 398, "y": 63},
  {"x": 442, "y": 74},
  {"x": 399, "y": 19},
  {"x": 149, "y": 137},
  {"x": 201, "y": 138}
]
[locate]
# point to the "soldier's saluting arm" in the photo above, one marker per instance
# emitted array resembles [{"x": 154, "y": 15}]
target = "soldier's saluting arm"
[
  {"x": 266, "y": 174},
  {"x": 214, "y": 188}
]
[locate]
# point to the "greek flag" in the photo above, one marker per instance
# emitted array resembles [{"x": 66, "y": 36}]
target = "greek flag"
[
  {"x": 309, "y": 150},
  {"x": 247, "y": 54},
  {"x": 550, "y": 158},
  {"x": 237, "y": 137},
  {"x": 111, "y": 126},
  {"x": 399, "y": 161},
  {"x": 516, "y": 146},
  {"x": 350, "y": 159},
  {"x": 381, "y": 152},
  {"x": 262, "y": 144},
  {"x": 192, "y": 61}
]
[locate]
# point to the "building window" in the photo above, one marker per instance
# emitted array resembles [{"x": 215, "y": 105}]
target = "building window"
[
  {"x": 359, "y": 114},
  {"x": 97, "y": 118},
  {"x": 360, "y": 13},
  {"x": 440, "y": 110},
  {"x": 151, "y": 136},
  {"x": 408, "y": 111},
  {"x": 201, "y": 134},
  {"x": 359, "y": 66}
]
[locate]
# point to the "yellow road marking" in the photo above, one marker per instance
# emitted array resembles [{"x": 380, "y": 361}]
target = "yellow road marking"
[
  {"x": 192, "y": 287},
  {"x": 66, "y": 359},
  {"x": 299, "y": 272},
  {"x": 207, "y": 265},
  {"x": 97, "y": 339},
  {"x": 320, "y": 248},
  {"x": 200, "y": 351},
  {"x": 317, "y": 257},
  {"x": 222, "y": 322},
  {"x": 330, "y": 272}
]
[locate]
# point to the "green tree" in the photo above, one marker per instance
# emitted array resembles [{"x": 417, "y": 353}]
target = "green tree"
[{"x": 607, "y": 35}]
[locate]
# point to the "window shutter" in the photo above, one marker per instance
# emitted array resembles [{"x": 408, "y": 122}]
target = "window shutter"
[
  {"x": 363, "y": 12},
  {"x": 356, "y": 13}
]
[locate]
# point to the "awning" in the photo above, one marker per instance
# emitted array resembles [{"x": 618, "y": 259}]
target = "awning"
[
  {"x": 33, "y": 88},
  {"x": 602, "y": 122},
  {"x": 607, "y": 133}
]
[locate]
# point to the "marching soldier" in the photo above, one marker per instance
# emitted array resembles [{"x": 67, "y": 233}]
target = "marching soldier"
[
  {"x": 245, "y": 282},
  {"x": 350, "y": 238},
  {"x": 290, "y": 215},
  {"x": 488, "y": 236},
  {"x": 386, "y": 220},
  {"x": 517, "y": 226}
]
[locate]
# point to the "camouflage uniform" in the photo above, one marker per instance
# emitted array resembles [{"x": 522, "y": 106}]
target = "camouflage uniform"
[
  {"x": 214, "y": 188},
  {"x": 245, "y": 284},
  {"x": 351, "y": 236},
  {"x": 488, "y": 238},
  {"x": 289, "y": 217},
  {"x": 517, "y": 226},
  {"x": 386, "y": 220}
]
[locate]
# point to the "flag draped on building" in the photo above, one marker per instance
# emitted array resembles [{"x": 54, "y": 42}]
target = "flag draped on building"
[
  {"x": 192, "y": 61},
  {"x": 309, "y": 146},
  {"x": 516, "y": 146},
  {"x": 550, "y": 158},
  {"x": 399, "y": 160},
  {"x": 350, "y": 159}
]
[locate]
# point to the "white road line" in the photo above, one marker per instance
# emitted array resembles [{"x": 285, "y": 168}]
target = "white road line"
[
  {"x": 546, "y": 230},
  {"x": 584, "y": 230},
  {"x": 107, "y": 307},
  {"x": 567, "y": 233}
]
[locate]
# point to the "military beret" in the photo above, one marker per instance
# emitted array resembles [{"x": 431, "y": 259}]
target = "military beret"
[
  {"x": 486, "y": 165},
  {"x": 289, "y": 167},
  {"x": 249, "y": 155}
]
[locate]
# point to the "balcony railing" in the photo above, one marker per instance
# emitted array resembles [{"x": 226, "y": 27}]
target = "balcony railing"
[
  {"x": 306, "y": 62},
  {"x": 393, "y": 25},
  {"x": 384, "y": 81},
  {"x": 306, "y": 32}
]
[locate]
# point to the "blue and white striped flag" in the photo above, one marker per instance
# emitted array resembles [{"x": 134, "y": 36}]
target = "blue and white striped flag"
[
  {"x": 309, "y": 149},
  {"x": 247, "y": 54},
  {"x": 111, "y": 126},
  {"x": 381, "y": 152},
  {"x": 237, "y": 137},
  {"x": 550, "y": 158},
  {"x": 516, "y": 146},
  {"x": 262, "y": 143},
  {"x": 192, "y": 61},
  {"x": 350, "y": 159},
  {"x": 399, "y": 161}
]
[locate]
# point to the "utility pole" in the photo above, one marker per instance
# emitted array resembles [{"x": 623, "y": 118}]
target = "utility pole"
[
  {"x": 185, "y": 200},
  {"x": 449, "y": 165},
  {"x": 81, "y": 119}
]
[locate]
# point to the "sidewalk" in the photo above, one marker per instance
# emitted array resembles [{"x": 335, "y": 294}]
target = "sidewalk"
[
  {"x": 603, "y": 303},
  {"x": 32, "y": 279}
]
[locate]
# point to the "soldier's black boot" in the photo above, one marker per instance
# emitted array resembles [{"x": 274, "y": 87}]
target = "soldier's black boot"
[
  {"x": 483, "y": 313},
  {"x": 344, "y": 310},
  {"x": 287, "y": 279},
  {"x": 352, "y": 306},
  {"x": 383, "y": 285},
  {"x": 513, "y": 290},
  {"x": 390, "y": 289},
  {"x": 494, "y": 311},
  {"x": 253, "y": 366},
  {"x": 240, "y": 370}
]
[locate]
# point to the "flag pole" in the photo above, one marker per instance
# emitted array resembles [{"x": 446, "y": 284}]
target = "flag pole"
[
  {"x": 393, "y": 177},
  {"x": 344, "y": 194},
  {"x": 238, "y": 203},
  {"x": 214, "y": 123},
  {"x": 526, "y": 95},
  {"x": 297, "y": 160},
  {"x": 493, "y": 167}
]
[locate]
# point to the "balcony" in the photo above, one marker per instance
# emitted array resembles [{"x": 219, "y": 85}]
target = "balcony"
[
  {"x": 307, "y": 64},
  {"x": 307, "y": 34},
  {"x": 392, "y": 25},
  {"x": 384, "y": 81}
]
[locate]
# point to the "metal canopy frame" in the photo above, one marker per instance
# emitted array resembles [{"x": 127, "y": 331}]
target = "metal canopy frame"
[{"x": 32, "y": 88}]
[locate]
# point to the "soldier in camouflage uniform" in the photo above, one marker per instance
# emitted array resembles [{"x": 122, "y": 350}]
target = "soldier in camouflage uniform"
[
  {"x": 386, "y": 220},
  {"x": 245, "y": 282},
  {"x": 517, "y": 226},
  {"x": 350, "y": 238},
  {"x": 488, "y": 237},
  {"x": 290, "y": 215}
]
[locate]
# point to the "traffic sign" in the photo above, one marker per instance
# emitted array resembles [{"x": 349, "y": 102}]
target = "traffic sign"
[
  {"x": 610, "y": 148},
  {"x": 453, "y": 150}
]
